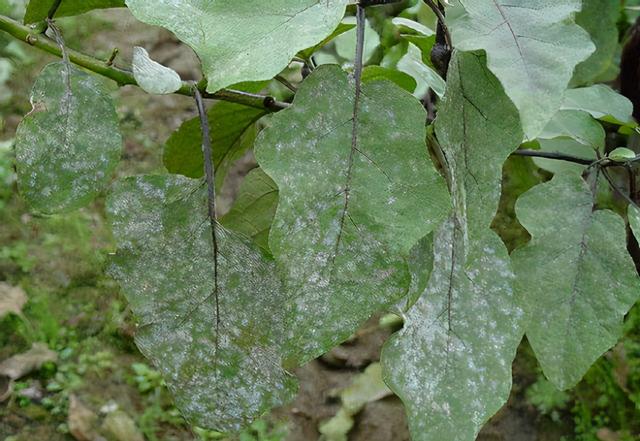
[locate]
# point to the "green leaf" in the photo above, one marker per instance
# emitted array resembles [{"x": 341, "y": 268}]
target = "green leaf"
[
  {"x": 427, "y": 78},
  {"x": 346, "y": 42},
  {"x": 532, "y": 47},
  {"x": 376, "y": 73},
  {"x": 577, "y": 125},
  {"x": 253, "y": 210},
  {"x": 223, "y": 370},
  {"x": 575, "y": 279},
  {"x": 232, "y": 134},
  {"x": 347, "y": 215},
  {"x": 402, "y": 22},
  {"x": 451, "y": 363},
  {"x": 243, "y": 40},
  {"x": 601, "y": 101},
  {"x": 341, "y": 29},
  {"x": 599, "y": 18},
  {"x": 621, "y": 154},
  {"x": 634, "y": 220},
  {"x": 425, "y": 44},
  {"x": 68, "y": 146},
  {"x": 152, "y": 76},
  {"x": 38, "y": 10}
]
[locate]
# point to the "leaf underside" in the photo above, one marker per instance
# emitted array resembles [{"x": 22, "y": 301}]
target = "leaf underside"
[
  {"x": 451, "y": 363},
  {"x": 223, "y": 371},
  {"x": 347, "y": 214},
  {"x": 532, "y": 47},
  {"x": 65, "y": 154},
  {"x": 272, "y": 32},
  {"x": 575, "y": 279}
]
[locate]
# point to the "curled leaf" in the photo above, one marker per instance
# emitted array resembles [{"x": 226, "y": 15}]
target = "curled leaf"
[{"x": 152, "y": 76}]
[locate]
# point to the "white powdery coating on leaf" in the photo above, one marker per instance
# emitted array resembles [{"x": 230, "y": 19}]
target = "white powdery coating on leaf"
[
  {"x": 165, "y": 265},
  {"x": 576, "y": 280},
  {"x": 341, "y": 231},
  {"x": 69, "y": 144},
  {"x": 451, "y": 363}
]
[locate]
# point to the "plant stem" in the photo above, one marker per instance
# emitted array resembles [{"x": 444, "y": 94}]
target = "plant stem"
[
  {"x": 123, "y": 77},
  {"x": 553, "y": 155},
  {"x": 54, "y": 9},
  {"x": 441, "y": 22}
]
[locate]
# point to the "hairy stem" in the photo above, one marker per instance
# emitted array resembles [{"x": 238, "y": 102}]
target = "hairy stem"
[{"x": 124, "y": 77}]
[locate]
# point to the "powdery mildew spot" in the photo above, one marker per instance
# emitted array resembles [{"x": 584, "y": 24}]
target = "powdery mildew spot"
[
  {"x": 68, "y": 146},
  {"x": 165, "y": 266},
  {"x": 341, "y": 233},
  {"x": 451, "y": 363}
]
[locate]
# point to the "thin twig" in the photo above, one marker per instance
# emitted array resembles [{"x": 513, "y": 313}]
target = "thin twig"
[
  {"x": 125, "y": 77},
  {"x": 286, "y": 83},
  {"x": 112, "y": 57},
  {"x": 626, "y": 197},
  {"x": 441, "y": 21},
  {"x": 553, "y": 155}
]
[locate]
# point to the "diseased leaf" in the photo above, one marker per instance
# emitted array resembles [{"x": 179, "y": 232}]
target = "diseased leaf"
[
  {"x": 243, "y": 40},
  {"x": 224, "y": 370},
  {"x": 253, "y": 210},
  {"x": 532, "y": 47},
  {"x": 575, "y": 279},
  {"x": 601, "y": 101},
  {"x": 634, "y": 220},
  {"x": 599, "y": 18},
  {"x": 152, "y": 76},
  {"x": 232, "y": 134},
  {"x": 347, "y": 213},
  {"x": 451, "y": 363},
  {"x": 38, "y": 10},
  {"x": 68, "y": 146}
]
